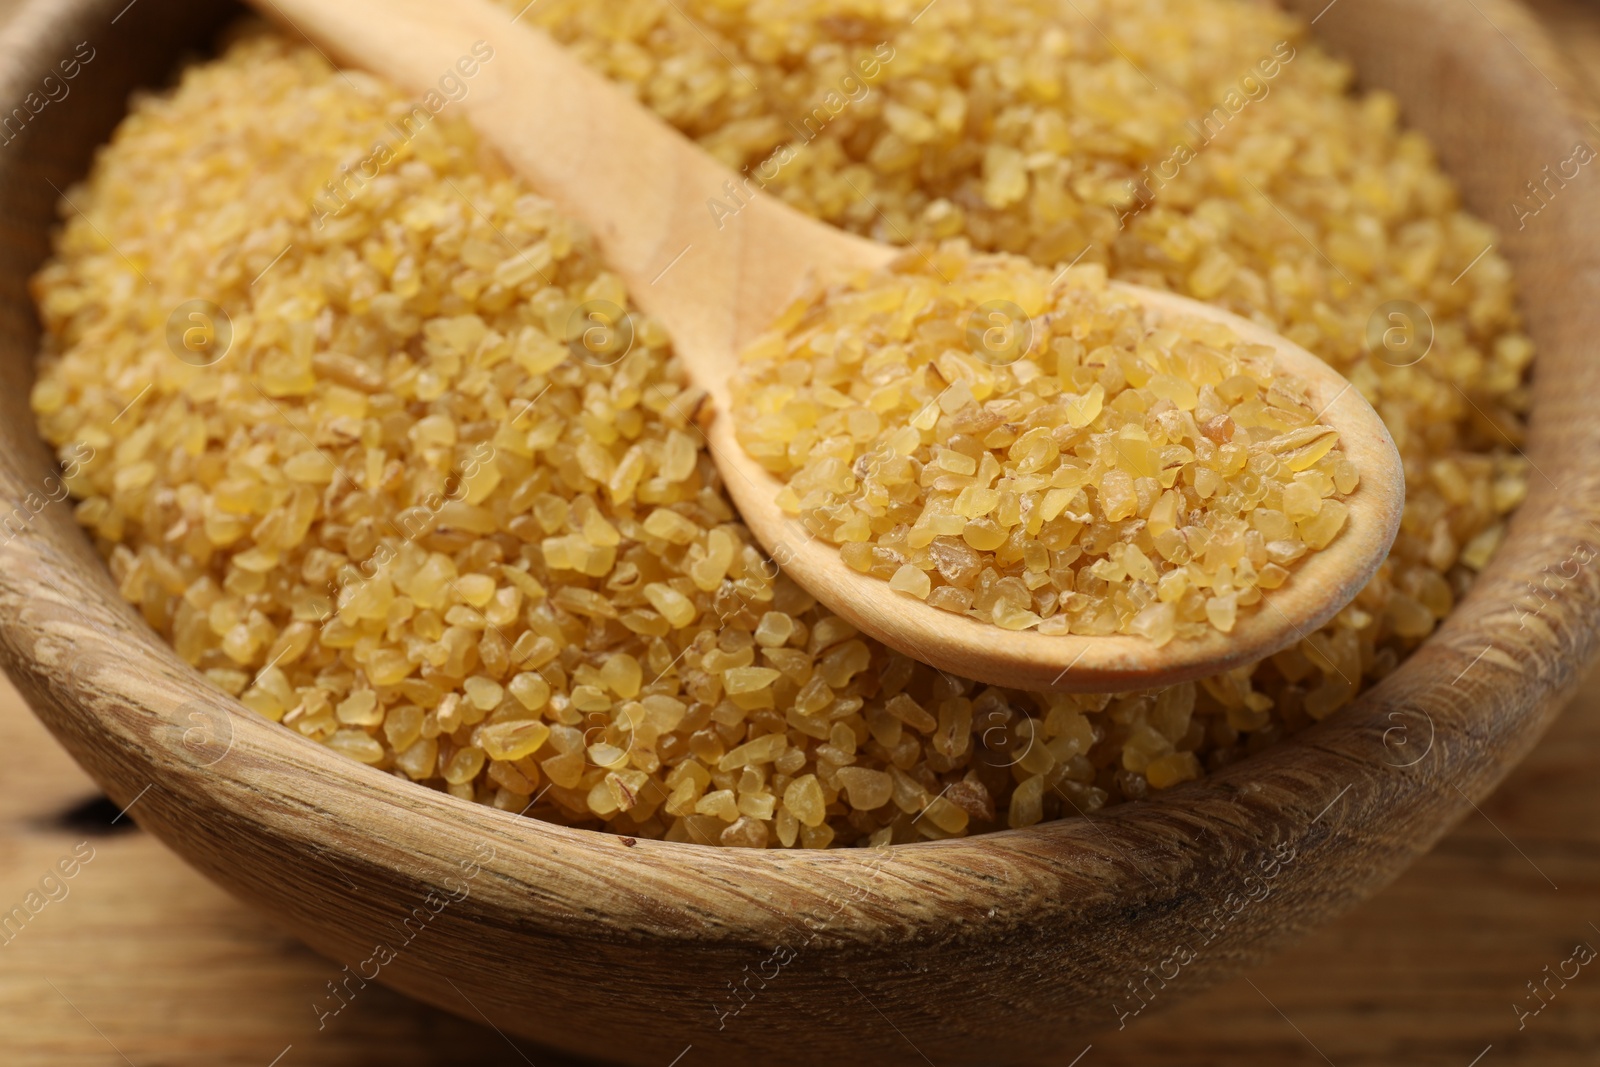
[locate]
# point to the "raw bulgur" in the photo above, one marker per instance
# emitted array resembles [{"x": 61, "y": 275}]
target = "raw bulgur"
[
  {"x": 1037, "y": 452},
  {"x": 688, "y": 690},
  {"x": 399, "y": 517},
  {"x": 1035, "y": 126}
]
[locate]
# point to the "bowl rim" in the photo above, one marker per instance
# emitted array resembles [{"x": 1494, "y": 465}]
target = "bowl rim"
[{"x": 115, "y": 694}]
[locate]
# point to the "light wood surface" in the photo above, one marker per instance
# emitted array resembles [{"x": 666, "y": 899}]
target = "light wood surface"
[
  {"x": 646, "y": 207},
  {"x": 162, "y": 972},
  {"x": 175, "y": 973}
]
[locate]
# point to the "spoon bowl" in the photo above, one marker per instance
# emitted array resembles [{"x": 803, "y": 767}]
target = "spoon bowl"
[
  {"x": 1319, "y": 586},
  {"x": 717, "y": 282}
]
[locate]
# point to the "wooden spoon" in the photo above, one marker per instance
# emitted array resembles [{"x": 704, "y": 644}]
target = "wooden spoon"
[{"x": 716, "y": 280}]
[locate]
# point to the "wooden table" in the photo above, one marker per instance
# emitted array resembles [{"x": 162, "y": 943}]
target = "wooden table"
[
  {"x": 146, "y": 963},
  {"x": 142, "y": 962}
]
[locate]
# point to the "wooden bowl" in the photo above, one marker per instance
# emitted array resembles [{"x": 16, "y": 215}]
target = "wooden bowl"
[{"x": 1014, "y": 947}]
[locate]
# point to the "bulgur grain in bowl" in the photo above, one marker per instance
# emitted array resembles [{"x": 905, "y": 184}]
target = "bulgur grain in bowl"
[
  {"x": 367, "y": 358},
  {"x": 399, "y": 515}
]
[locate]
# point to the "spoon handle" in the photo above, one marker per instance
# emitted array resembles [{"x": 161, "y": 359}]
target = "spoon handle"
[{"x": 714, "y": 280}]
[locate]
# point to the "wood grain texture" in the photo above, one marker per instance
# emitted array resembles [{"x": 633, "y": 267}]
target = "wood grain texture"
[
  {"x": 646, "y": 206},
  {"x": 1320, "y": 585},
  {"x": 1009, "y": 948},
  {"x": 175, "y": 973}
]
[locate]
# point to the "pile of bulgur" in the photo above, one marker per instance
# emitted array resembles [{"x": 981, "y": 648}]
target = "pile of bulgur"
[
  {"x": 1040, "y": 452},
  {"x": 1209, "y": 147},
  {"x": 1049, "y": 129},
  {"x": 403, "y": 517}
]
